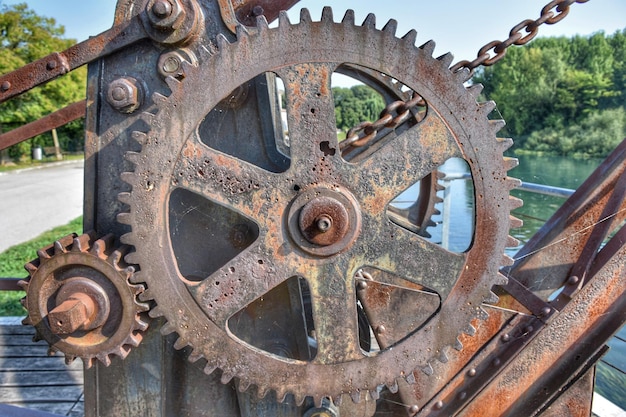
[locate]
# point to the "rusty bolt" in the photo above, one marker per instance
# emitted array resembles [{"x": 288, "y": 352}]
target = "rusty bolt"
[
  {"x": 471, "y": 372},
  {"x": 71, "y": 315},
  {"x": 413, "y": 409},
  {"x": 257, "y": 11},
  {"x": 170, "y": 63},
  {"x": 505, "y": 338},
  {"x": 124, "y": 95},
  {"x": 438, "y": 405},
  {"x": 5, "y": 86},
  {"x": 165, "y": 14},
  {"x": 51, "y": 65},
  {"x": 573, "y": 280},
  {"x": 324, "y": 223}
]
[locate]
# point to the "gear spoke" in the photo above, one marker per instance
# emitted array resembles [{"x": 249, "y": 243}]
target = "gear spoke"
[
  {"x": 311, "y": 119},
  {"x": 405, "y": 160},
  {"x": 222, "y": 178},
  {"x": 414, "y": 259},
  {"x": 333, "y": 300},
  {"x": 236, "y": 284}
]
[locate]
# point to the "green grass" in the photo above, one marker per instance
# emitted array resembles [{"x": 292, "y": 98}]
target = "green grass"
[
  {"x": 13, "y": 259},
  {"x": 30, "y": 164}
]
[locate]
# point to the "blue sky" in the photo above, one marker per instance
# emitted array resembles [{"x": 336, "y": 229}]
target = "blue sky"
[{"x": 457, "y": 26}]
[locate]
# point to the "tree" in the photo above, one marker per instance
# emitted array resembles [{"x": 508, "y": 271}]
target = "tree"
[
  {"x": 26, "y": 37},
  {"x": 356, "y": 104}
]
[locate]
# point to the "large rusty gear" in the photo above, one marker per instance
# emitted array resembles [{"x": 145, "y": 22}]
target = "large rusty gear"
[
  {"x": 322, "y": 219},
  {"x": 80, "y": 299}
]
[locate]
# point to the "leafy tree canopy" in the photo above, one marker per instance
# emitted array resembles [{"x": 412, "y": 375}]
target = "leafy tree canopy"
[{"x": 557, "y": 91}]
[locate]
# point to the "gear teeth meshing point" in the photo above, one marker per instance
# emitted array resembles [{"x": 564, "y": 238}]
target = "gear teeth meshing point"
[
  {"x": 158, "y": 98},
  {"x": 305, "y": 16},
  {"x": 446, "y": 60},
  {"x": 348, "y": 18},
  {"x": 492, "y": 298},
  {"x": 370, "y": 21},
  {"x": 140, "y": 137},
  {"x": 327, "y": 15},
  {"x": 168, "y": 328}
]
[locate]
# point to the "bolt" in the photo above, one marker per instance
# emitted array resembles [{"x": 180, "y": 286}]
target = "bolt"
[
  {"x": 5, "y": 86},
  {"x": 51, "y": 65},
  {"x": 505, "y": 338},
  {"x": 573, "y": 280},
  {"x": 497, "y": 362},
  {"x": 463, "y": 396},
  {"x": 124, "y": 95},
  {"x": 439, "y": 405},
  {"x": 257, "y": 11},
  {"x": 361, "y": 285},
  {"x": 324, "y": 223},
  {"x": 414, "y": 409},
  {"x": 170, "y": 63},
  {"x": 71, "y": 315},
  {"x": 545, "y": 311},
  {"x": 471, "y": 372},
  {"x": 162, "y": 9},
  {"x": 380, "y": 329},
  {"x": 165, "y": 14}
]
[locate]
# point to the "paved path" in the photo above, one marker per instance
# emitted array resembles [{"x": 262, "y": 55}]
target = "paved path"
[{"x": 35, "y": 200}]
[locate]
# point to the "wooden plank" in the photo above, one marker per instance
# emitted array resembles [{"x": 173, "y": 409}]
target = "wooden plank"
[
  {"x": 10, "y": 395},
  {"x": 41, "y": 378},
  {"x": 25, "y": 351},
  {"x": 54, "y": 408},
  {"x": 48, "y": 363}
]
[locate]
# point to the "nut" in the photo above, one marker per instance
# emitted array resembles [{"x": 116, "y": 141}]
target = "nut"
[
  {"x": 170, "y": 63},
  {"x": 165, "y": 14},
  {"x": 124, "y": 95}
]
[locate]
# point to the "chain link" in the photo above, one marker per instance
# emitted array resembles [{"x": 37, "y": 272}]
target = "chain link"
[
  {"x": 494, "y": 51},
  {"x": 521, "y": 34}
]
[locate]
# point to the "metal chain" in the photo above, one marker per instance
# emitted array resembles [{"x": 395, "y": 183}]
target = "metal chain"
[{"x": 492, "y": 52}]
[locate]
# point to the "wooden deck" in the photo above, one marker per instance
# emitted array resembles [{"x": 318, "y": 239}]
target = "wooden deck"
[{"x": 31, "y": 379}]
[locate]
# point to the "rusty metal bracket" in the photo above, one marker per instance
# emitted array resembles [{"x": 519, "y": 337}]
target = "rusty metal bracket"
[
  {"x": 52, "y": 121},
  {"x": 539, "y": 308}
]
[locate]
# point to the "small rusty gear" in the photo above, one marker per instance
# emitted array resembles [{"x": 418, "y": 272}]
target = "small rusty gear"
[
  {"x": 279, "y": 242},
  {"x": 80, "y": 300}
]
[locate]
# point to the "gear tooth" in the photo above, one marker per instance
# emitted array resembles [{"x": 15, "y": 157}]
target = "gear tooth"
[
  {"x": 348, "y": 18},
  {"x": 68, "y": 358},
  {"x": 327, "y": 15},
  {"x": 133, "y": 157},
  {"x": 122, "y": 351},
  {"x": 31, "y": 267},
  {"x": 482, "y": 314},
  {"x": 23, "y": 284},
  {"x": 81, "y": 243},
  {"x": 129, "y": 178},
  {"x": 133, "y": 340},
  {"x": 140, "y": 137},
  {"x": 159, "y": 99},
  {"x": 241, "y": 32},
  {"x": 512, "y": 242},
  {"x": 180, "y": 344},
  {"x": 132, "y": 258},
  {"x": 125, "y": 218},
  {"x": 222, "y": 42},
  {"x": 411, "y": 37},
  {"x": 127, "y": 239},
  {"x": 140, "y": 324},
  {"x": 305, "y": 16},
  {"x": 470, "y": 330},
  {"x": 513, "y": 183},
  {"x": 497, "y": 125},
  {"x": 26, "y": 321},
  {"x": 281, "y": 393},
  {"x": 462, "y": 75},
  {"x": 209, "y": 368},
  {"x": 173, "y": 83},
  {"x": 59, "y": 248},
  {"x": 261, "y": 24},
  {"x": 515, "y": 203},
  {"x": 392, "y": 386},
  {"x": 356, "y": 396},
  {"x": 167, "y": 328},
  {"x": 104, "y": 358},
  {"x": 375, "y": 395},
  {"x": 43, "y": 254},
  {"x": 157, "y": 312},
  {"x": 486, "y": 107},
  {"x": 299, "y": 398},
  {"x": 283, "y": 19},
  {"x": 428, "y": 47},
  {"x": 147, "y": 296},
  {"x": 391, "y": 27},
  {"x": 446, "y": 60},
  {"x": 443, "y": 357},
  {"x": 492, "y": 298},
  {"x": 504, "y": 144},
  {"x": 243, "y": 385},
  {"x": 226, "y": 377},
  {"x": 262, "y": 392},
  {"x": 427, "y": 369},
  {"x": 88, "y": 363},
  {"x": 370, "y": 21},
  {"x": 510, "y": 163},
  {"x": 458, "y": 346},
  {"x": 475, "y": 90}
]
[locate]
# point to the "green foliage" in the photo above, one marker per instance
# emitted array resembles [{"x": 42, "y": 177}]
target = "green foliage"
[
  {"x": 24, "y": 38},
  {"x": 562, "y": 96},
  {"x": 356, "y": 104},
  {"x": 12, "y": 263}
]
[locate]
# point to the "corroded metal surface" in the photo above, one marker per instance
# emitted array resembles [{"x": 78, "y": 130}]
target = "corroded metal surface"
[
  {"x": 339, "y": 366},
  {"x": 80, "y": 301}
]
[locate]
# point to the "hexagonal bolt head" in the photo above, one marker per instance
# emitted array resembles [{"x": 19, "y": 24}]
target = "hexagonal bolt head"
[
  {"x": 71, "y": 315},
  {"x": 125, "y": 95},
  {"x": 165, "y": 14}
]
